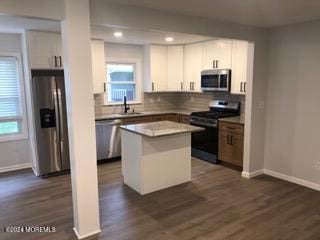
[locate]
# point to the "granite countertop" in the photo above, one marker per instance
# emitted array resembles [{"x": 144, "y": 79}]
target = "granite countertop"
[
  {"x": 141, "y": 114},
  {"x": 162, "y": 128},
  {"x": 237, "y": 120}
]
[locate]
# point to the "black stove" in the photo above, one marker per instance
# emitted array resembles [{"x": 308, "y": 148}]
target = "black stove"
[
  {"x": 209, "y": 118},
  {"x": 205, "y": 143}
]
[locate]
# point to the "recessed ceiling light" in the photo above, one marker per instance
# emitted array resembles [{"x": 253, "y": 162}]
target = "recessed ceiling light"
[
  {"x": 117, "y": 34},
  {"x": 169, "y": 39}
]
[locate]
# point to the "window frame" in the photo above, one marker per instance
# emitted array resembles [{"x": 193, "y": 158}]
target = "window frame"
[
  {"x": 23, "y": 134},
  {"x": 137, "y": 79}
]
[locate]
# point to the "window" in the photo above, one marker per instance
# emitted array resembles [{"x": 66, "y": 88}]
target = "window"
[
  {"x": 121, "y": 81},
  {"x": 12, "y": 102}
]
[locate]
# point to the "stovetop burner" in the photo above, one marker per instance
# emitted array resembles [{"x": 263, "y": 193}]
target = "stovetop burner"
[
  {"x": 212, "y": 115},
  {"x": 218, "y": 109}
]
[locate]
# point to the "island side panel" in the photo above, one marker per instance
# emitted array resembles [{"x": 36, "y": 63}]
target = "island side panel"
[
  {"x": 131, "y": 155},
  {"x": 166, "y": 161}
]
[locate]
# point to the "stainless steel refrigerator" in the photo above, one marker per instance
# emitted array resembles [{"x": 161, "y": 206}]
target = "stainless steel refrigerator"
[{"x": 50, "y": 116}]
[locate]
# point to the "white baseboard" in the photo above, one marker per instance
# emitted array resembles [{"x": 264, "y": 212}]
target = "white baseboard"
[
  {"x": 252, "y": 174},
  {"x": 288, "y": 178},
  {"x": 86, "y": 235},
  {"x": 15, "y": 167},
  {"x": 282, "y": 176}
]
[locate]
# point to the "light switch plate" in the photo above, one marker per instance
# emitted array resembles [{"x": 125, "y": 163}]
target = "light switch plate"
[
  {"x": 261, "y": 105},
  {"x": 317, "y": 165}
]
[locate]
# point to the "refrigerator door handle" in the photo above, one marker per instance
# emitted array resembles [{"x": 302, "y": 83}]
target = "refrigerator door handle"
[
  {"x": 60, "y": 112},
  {"x": 58, "y": 139},
  {"x": 61, "y": 127},
  {"x": 56, "y": 111}
]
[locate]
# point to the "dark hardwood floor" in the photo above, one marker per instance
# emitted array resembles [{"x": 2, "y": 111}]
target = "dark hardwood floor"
[{"x": 217, "y": 204}]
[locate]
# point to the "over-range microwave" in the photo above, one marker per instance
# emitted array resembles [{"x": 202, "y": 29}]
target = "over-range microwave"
[{"x": 216, "y": 80}]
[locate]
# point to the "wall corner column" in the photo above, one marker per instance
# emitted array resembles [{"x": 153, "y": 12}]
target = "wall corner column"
[{"x": 81, "y": 125}]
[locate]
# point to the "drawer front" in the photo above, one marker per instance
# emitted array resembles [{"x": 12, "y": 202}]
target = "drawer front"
[
  {"x": 136, "y": 120},
  {"x": 231, "y": 128},
  {"x": 171, "y": 117},
  {"x": 185, "y": 119}
]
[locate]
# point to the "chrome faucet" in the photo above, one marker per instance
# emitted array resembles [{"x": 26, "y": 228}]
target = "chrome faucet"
[{"x": 126, "y": 108}]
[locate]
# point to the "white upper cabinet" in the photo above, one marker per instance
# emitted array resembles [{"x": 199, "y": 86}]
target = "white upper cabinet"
[
  {"x": 98, "y": 66},
  {"x": 193, "y": 57},
  {"x": 217, "y": 54},
  {"x": 44, "y": 49},
  {"x": 175, "y": 68},
  {"x": 178, "y": 67},
  {"x": 157, "y": 72},
  {"x": 242, "y": 66},
  {"x": 163, "y": 68},
  {"x": 210, "y": 54},
  {"x": 225, "y": 54}
]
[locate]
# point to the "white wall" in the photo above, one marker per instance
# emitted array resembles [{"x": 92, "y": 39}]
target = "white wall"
[
  {"x": 47, "y": 9},
  {"x": 115, "y": 50},
  {"x": 13, "y": 153},
  {"x": 293, "y": 102},
  {"x": 104, "y": 13}
]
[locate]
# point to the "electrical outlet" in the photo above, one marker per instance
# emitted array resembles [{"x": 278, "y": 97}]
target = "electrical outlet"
[
  {"x": 317, "y": 165},
  {"x": 261, "y": 104}
]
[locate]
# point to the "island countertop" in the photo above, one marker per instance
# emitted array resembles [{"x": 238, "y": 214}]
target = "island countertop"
[{"x": 161, "y": 128}]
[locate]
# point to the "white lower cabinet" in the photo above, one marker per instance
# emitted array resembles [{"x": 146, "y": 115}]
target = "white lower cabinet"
[
  {"x": 98, "y": 66},
  {"x": 242, "y": 66}
]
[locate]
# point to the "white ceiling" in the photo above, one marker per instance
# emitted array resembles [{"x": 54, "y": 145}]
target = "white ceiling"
[
  {"x": 132, "y": 36},
  {"x": 11, "y": 24},
  {"x": 262, "y": 13}
]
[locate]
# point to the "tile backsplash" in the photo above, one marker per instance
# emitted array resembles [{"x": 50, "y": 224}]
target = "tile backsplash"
[{"x": 171, "y": 101}]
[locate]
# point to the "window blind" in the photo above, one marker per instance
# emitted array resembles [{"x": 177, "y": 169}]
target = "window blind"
[{"x": 10, "y": 93}]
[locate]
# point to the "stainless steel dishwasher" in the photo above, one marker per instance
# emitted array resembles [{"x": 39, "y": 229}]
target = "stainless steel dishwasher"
[{"x": 108, "y": 139}]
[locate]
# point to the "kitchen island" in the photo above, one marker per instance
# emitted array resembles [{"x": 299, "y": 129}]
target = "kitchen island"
[{"x": 156, "y": 155}]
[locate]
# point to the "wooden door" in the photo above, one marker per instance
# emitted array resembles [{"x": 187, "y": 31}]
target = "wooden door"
[
  {"x": 225, "y": 148},
  {"x": 237, "y": 144}
]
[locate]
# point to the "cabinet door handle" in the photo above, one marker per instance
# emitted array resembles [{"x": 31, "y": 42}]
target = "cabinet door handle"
[
  {"x": 152, "y": 86},
  {"x": 217, "y": 63},
  {"x": 213, "y": 64},
  {"x": 241, "y": 86},
  {"x": 55, "y": 61},
  {"x": 228, "y": 139},
  {"x": 181, "y": 86},
  {"x": 231, "y": 140},
  {"x": 245, "y": 86},
  {"x": 60, "y": 61},
  {"x": 104, "y": 87}
]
